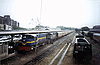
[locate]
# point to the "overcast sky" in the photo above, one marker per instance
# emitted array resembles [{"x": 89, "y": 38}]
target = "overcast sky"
[{"x": 69, "y": 13}]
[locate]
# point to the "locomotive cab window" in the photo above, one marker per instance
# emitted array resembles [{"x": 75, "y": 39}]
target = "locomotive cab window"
[{"x": 81, "y": 40}]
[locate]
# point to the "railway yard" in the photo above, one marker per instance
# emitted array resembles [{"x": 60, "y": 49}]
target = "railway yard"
[
  {"x": 60, "y": 52},
  {"x": 49, "y": 32}
]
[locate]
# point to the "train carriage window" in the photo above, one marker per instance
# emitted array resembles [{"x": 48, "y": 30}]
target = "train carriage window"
[
  {"x": 17, "y": 36},
  {"x": 24, "y": 36},
  {"x": 79, "y": 36},
  {"x": 81, "y": 40},
  {"x": 31, "y": 37},
  {"x": 0, "y": 36}
]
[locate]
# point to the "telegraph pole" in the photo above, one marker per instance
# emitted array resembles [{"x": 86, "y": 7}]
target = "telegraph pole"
[{"x": 41, "y": 7}]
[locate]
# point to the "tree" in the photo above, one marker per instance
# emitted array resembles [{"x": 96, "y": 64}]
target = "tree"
[
  {"x": 19, "y": 28},
  {"x": 61, "y": 27},
  {"x": 64, "y": 28}
]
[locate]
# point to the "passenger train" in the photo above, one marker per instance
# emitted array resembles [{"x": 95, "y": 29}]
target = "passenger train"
[
  {"x": 26, "y": 41},
  {"x": 31, "y": 41},
  {"x": 94, "y": 33},
  {"x": 96, "y": 37}
]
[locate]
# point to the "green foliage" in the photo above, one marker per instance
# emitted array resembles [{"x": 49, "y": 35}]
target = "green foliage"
[
  {"x": 19, "y": 28},
  {"x": 64, "y": 28},
  {"x": 32, "y": 28}
]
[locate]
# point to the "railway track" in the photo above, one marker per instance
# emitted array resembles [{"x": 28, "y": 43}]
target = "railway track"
[
  {"x": 51, "y": 57},
  {"x": 57, "y": 60},
  {"x": 34, "y": 57}
]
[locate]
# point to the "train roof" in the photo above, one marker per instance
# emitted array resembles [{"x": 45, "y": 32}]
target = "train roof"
[
  {"x": 32, "y": 34},
  {"x": 95, "y": 29},
  {"x": 35, "y": 35},
  {"x": 81, "y": 40}
]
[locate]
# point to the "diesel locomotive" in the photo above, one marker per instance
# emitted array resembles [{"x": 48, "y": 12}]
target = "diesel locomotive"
[{"x": 82, "y": 48}]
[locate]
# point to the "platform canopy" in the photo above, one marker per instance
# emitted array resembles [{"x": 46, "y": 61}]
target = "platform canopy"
[{"x": 24, "y": 32}]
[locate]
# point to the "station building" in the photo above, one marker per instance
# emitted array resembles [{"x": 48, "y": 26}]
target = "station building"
[{"x": 6, "y": 23}]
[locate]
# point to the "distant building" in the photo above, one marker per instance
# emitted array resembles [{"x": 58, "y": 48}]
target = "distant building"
[
  {"x": 1, "y": 23},
  {"x": 6, "y": 23}
]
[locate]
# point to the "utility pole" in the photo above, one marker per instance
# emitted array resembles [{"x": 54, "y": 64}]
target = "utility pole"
[
  {"x": 39, "y": 19},
  {"x": 41, "y": 7}
]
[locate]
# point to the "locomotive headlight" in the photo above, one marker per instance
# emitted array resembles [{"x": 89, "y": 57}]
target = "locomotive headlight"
[
  {"x": 76, "y": 51},
  {"x": 85, "y": 47},
  {"x": 78, "y": 47}
]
